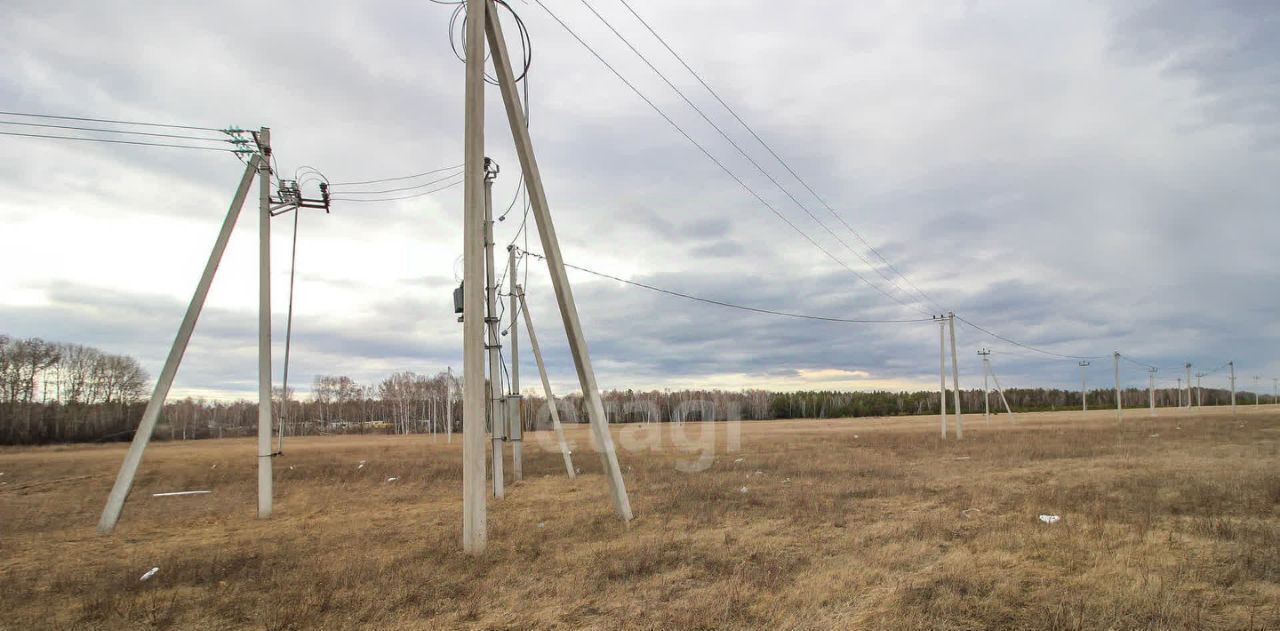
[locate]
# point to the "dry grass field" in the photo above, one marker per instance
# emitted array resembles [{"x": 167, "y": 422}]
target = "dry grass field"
[{"x": 1167, "y": 523}]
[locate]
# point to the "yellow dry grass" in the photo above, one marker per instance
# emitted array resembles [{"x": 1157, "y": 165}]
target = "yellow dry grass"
[{"x": 1167, "y": 523}]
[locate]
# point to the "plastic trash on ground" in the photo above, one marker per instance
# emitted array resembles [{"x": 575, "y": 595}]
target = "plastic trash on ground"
[
  {"x": 1050, "y": 519},
  {"x": 151, "y": 572}
]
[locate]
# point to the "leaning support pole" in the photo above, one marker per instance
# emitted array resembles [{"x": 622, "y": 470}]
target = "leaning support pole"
[
  {"x": 942, "y": 372},
  {"x": 515, "y": 421},
  {"x": 546, "y": 385},
  {"x": 264, "y": 325},
  {"x": 124, "y": 479},
  {"x": 474, "y": 524},
  {"x": 1000, "y": 390},
  {"x": 955, "y": 375},
  {"x": 497, "y": 403},
  {"x": 555, "y": 265}
]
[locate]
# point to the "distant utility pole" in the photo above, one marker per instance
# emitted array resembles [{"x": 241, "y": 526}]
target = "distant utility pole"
[
  {"x": 1000, "y": 391},
  {"x": 1199, "y": 391},
  {"x": 942, "y": 371},
  {"x": 955, "y": 376},
  {"x": 1188, "y": 385},
  {"x": 1151, "y": 389},
  {"x": 986, "y": 389},
  {"x": 1256, "y": 389},
  {"x": 1275, "y": 390},
  {"x": 1179, "y": 391},
  {"x": 1119, "y": 407},
  {"x": 1232, "y": 364},
  {"x": 497, "y": 402},
  {"x": 1084, "y": 388},
  {"x": 515, "y": 427}
]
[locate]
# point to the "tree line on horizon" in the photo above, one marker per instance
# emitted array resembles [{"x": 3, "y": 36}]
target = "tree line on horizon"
[{"x": 52, "y": 393}]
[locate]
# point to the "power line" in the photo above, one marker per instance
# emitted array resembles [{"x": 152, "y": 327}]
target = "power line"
[
  {"x": 389, "y": 199},
  {"x": 777, "y": 157},
  {"x": 229, "y": 130},
  {"x": 736, "y": 146},
  {"x": 398, "y": 178},
  {"x": 403, "y": 188},
  {"x": 1028, "y": 346},
  {"x": 117, "y": 131},
  {"x": 718, "y": 163},
  {"x": 124, "y": 142},
  {"x": 730, "y": 305}
]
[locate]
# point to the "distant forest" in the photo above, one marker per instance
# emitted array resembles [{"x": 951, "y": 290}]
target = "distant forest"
[{"x": 56, "y": 393}]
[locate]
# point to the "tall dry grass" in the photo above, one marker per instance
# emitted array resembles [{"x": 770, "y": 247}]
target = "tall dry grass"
[{"x": 1167, "y": 523}]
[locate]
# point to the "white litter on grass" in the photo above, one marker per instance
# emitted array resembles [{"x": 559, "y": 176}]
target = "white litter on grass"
[
  {"x": 177, "y": 493},
  {"x": 1050, "y": 519},
  {"x": 963, "y": 458},
  {"x": 215, "y": 466},
  {"x": 1155, "y": 436},
  {"x": 392, "y": 479},
  {"x": 542, "y": 524},
  {"x": 787, "y": 481},
  {"x": 361, "y": 466},
  {"x": 739, "y": 459},
  {"x": 966, "y": 511},
  {"x": 151, "y": 572},
  {"x": 742, "y": 490},
  {"x": 855, "y": 435}
]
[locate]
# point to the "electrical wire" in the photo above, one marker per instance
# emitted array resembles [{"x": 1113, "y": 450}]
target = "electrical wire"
[
  {"x": 730, "y": 305},
  {"x": 1028, "y": 346},
  {"x": 125, "y": 142},
  {"x": 119, "y": 122},
  {"x": 397, "y": 178},
  {"x": 739, "y": 148},
  {"x": 117, "y": 131},
  {"x": 777, "y": 157},
  {"x": 718, "y": 163},
  {"x": 389, "y": 199},
  {"x": 403, "y": 188},
  {"x": 458, "y": 23}
]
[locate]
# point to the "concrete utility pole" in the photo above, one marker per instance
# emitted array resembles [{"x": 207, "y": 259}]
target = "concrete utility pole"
[
  {"x": 555, "y": 263},
  {"x": 474, "y": 517},
  {"x": 497, "y": 402},
  {"x": 1188, "y": 385},
  {"x": 1179, "y": 391},
  {"x": 1119, "y": 406},
  {"x": 1232, "y": 364},
  {"x": 942, "y": 371},
  {"x": 448, "y": 405},
  {"x": 264, "y": 325},
  {"x": 515, "y": 427},
  {"x": 1000, "y": 391},
  {"x": 546, "y": 386},
  {"x": 1275, "y": 390},
  {"x": 1084, "y": 387},
  {"x": 986, "y": 389},
  {"x": 1151, "y": 389},
  {"x": 129, "y": 468},
  {"x": 955, "y": 376},
  {"x": 1256, "y": 389}
]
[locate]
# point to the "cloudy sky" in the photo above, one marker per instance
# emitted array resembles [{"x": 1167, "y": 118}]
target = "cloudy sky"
[{"x": 1079, "y": 177}]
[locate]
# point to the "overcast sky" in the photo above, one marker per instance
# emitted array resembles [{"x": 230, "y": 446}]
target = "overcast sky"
[{"x": 1081, "y": 177}]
